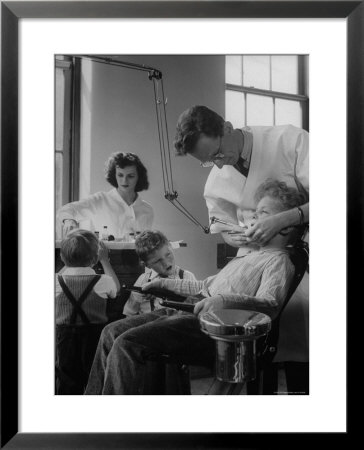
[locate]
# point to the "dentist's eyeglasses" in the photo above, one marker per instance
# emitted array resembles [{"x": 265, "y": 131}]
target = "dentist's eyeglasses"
[{"x": 218, "y": 156}]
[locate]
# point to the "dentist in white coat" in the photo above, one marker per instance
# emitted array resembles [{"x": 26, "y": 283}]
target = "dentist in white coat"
[{"x": 241, "y": 159}]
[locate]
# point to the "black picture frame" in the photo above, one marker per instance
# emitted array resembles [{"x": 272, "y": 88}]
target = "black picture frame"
[{"x": 11, "y": 13}]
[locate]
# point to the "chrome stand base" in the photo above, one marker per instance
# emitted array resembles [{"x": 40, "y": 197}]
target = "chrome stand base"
[{"x": 235, "y": 361}]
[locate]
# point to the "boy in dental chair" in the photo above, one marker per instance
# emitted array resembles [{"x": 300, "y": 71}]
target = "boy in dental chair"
[{"x": 257, "y": 281}]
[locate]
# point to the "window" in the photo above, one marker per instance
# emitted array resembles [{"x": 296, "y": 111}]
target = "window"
[
  {"x": 266, "y": 90},
  {"x": 66, "y": 130}
]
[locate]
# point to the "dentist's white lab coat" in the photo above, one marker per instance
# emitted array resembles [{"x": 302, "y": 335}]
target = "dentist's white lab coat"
[{"x": 280, "y": 152}]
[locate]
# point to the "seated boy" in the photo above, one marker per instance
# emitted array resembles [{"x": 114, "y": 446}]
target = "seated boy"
[
  {"x": 256, "y": 281},
  {"x": 154, "y": 249},
  {"x": 80, "y": 308}
]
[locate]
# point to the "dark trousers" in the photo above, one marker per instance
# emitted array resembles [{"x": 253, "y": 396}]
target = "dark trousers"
[{"x": 75, "y": 351}]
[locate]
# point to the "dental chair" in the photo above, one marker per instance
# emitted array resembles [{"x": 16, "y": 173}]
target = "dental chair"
[
  {"x": 267, "y": 383},
  {"x": 266, "y": 347},
  {"x": 174, "y": 376}
]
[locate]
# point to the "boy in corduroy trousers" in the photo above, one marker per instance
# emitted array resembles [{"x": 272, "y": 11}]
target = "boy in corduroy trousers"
[{"x": 80, "y": 308}]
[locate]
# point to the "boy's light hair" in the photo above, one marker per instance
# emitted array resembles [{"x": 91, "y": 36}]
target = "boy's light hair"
[
  {"x": 80, "y": 249},
  {"x": 148, "y": 242},
  {"x": 288, "y": 197}
]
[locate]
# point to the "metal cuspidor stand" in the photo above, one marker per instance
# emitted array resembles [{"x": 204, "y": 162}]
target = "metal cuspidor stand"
[{"x": 235, "y": 332}]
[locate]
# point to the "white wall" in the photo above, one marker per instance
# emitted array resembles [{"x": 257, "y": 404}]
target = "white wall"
[{"x": 118, "y": 114}]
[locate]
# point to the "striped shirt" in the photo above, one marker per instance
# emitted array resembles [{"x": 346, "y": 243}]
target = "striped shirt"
[
  {"x": 76, "y": 279},
  {"x": 256, "y": 281},
  {"x": 137, "y": 303}
]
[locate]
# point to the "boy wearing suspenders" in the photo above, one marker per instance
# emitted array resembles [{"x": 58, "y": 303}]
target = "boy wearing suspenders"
[
  {"x": 80, "y": 308},
  {"x": 154, "y": 249}
]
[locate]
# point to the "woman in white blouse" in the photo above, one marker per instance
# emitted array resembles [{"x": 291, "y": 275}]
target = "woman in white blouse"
[{"x": 121, "y": 209}]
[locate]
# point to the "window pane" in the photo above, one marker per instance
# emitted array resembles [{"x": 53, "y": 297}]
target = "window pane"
[
  {"x": 256, "y": 70},
  {"x": 233, "y": 70},
  {"x": 285, "y": 73},
  {"x": 288, "y": 112},
  {"x": 60, "y": 86},
  {"x": 259, "y": 110},
  {"x": 235, "y": 108}
]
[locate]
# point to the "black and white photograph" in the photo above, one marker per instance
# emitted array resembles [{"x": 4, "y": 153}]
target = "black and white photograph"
[
  {"x": 182, "y": 214},
  {"x": 181, "y": 197}
]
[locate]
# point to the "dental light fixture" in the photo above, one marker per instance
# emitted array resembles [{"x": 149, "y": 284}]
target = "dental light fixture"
[{"x": 160, "y": 100}]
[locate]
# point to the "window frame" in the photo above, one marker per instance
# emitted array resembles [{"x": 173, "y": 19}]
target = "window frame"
[
  {"x": 302, "y": 98},
  {"x": 71, "y": 127}
]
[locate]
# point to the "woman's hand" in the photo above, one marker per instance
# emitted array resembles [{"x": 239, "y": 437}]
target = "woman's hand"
[
  {"x": 208, "y": 304},
  {"x": 154, "y": 284},
  {"x": 69, "y": 225},
  {"x": 264, "y": 229}
]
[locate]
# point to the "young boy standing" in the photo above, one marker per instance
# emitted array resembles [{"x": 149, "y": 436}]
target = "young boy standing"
[{"x": 80, "y": 308}]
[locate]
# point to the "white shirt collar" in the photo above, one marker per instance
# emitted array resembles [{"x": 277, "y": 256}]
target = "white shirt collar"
[{"x": 114, "y": 193}]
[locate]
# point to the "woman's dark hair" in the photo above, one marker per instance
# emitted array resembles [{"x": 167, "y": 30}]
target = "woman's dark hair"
[
  {"x": 122, "y": 160},
  {"x": 192, "y": 123}
]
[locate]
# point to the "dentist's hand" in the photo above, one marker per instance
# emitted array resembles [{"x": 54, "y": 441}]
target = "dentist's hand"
[
  {"x": 263, "y": 230},
  {"x": 238, "y": 239},
  {"x": 236, "y": 236}
]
